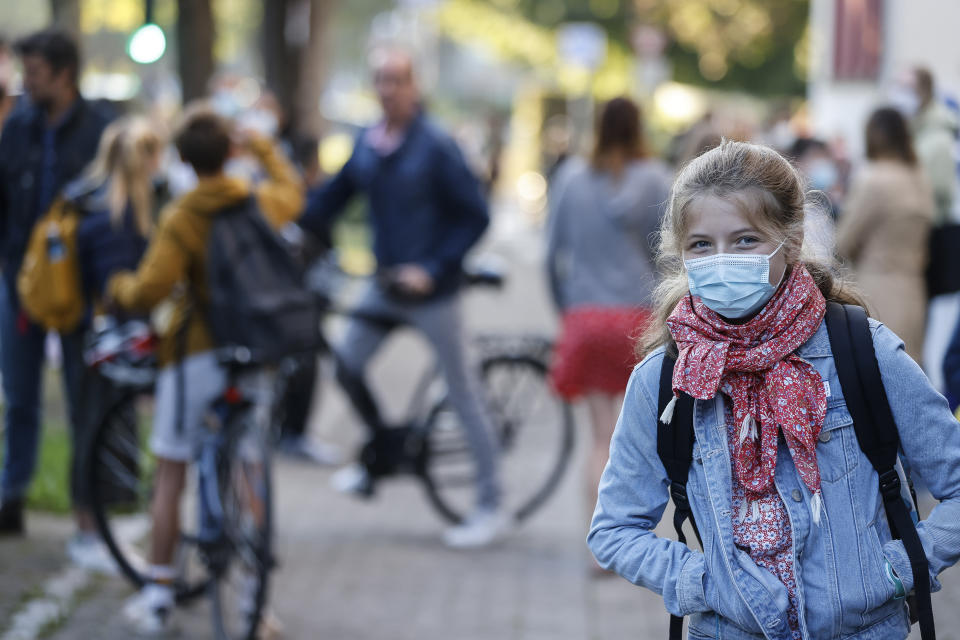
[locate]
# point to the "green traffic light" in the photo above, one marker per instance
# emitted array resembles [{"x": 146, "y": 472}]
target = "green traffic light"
[{"x": 147, "y": 44}]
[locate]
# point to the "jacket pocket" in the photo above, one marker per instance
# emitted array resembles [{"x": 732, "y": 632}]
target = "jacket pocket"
[{"x": 837, "y": 448}]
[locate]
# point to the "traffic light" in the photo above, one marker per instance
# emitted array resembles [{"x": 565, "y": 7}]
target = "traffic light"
[{"x": 148, "y": 42}]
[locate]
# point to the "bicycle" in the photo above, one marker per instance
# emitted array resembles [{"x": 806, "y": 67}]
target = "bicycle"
[
  {"x": 534, "y": 426},
  {"x": 225, "y": 543}
]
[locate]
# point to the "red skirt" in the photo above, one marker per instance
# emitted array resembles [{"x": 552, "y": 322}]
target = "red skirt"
[{"x": 596, "y": 350}]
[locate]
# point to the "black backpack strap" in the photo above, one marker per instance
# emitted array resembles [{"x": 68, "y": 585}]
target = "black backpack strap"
[
  {"x": 675, "y": 448},
  {"x": 876, "y": 430}
]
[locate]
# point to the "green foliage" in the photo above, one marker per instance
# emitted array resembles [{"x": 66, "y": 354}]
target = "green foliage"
[{"x": 747, "y": 45}]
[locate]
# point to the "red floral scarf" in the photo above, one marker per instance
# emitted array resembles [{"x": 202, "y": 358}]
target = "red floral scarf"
[{"x": 755, "y": 365}]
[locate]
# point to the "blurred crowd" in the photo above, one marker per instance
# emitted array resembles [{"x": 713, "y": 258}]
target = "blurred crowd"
[{"x": 879, "y": 213}]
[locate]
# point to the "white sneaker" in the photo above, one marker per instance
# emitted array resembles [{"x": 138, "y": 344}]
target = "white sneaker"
[
  {"x": 150, "y": 611},
  {"x": 353, "y": 479},
  {"x": 308, "y": 450},
  {"x": 88, "y": 551},
  {"x": 482, "y": 528}
]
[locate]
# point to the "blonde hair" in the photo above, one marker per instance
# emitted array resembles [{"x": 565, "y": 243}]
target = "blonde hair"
[
  {"x": 770, "y": 189},
  {"x": 127, "y": 148}
]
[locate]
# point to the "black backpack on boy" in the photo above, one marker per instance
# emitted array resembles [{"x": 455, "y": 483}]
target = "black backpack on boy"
[
  {"x": 258, "y": 298},
  {"x": 876, "y": 431}
]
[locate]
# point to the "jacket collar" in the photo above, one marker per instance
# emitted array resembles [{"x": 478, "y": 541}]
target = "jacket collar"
[
  {"x": 413, "y": 129},
  {"x": 818, "y": 345},
  {"x": 39, "y": 119}
]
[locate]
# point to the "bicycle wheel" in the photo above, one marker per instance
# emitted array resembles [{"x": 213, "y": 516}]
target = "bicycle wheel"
[
  {"x": 534, "y": 430},
  {"x": 243, "y": 560},
  {"x": 119, "y": 474}
]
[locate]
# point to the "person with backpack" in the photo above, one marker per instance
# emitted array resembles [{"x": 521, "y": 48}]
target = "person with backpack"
[
  {"x": 176, "y": 264},
  {"x": 427, "y": 210},
  {"x": 97, "y": 225},
  {"x": 44, "y": 145},
  {"x": 774, "y": 414}
]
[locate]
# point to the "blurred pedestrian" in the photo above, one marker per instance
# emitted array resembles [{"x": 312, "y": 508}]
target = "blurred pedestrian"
[
  {"x": 7, "y": 99},
  {"x": 116, "y": 198},
  {"x": 427, "y": 210},
  {"x": 934, "y": 127},
  {"x": 796, "y": 544},
  {"x": 295, "y": 440},
  {"x": 884, "y": 228},
  {"x": 44, "y": 145},
  {"x": 175, "y": 262},
  {"x": 601, "y": 266},
  {"x": 816, "y": 162}
]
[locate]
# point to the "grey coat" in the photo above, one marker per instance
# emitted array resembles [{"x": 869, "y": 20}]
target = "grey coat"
[{"x": 601, "y": 234}]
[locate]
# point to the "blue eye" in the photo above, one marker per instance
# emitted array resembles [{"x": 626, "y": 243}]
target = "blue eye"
[
  {"x": 748, "y": 241},
  {"x": 699, "y": 244}
]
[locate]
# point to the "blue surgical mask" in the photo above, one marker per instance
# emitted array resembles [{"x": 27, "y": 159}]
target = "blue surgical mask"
[
  {"x": 733, "y": 285},
  {"x": 823, "y": 175}
]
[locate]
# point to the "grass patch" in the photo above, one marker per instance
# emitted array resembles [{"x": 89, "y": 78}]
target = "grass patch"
[{"x": 50, "y": 487}]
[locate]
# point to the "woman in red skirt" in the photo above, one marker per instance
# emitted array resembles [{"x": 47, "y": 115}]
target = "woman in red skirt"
[{"x": 600, "y": 261}]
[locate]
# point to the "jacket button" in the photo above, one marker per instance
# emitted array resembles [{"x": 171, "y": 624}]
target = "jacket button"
[
  {"x": 796, "y": 495},
  {"x": 824, "y": 436}
]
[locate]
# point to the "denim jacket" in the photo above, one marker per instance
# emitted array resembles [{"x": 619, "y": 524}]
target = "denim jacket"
[{"x": 843, "y": 591}]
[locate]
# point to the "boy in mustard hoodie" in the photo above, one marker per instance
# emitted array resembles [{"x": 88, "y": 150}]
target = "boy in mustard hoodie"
[{"x": 175, "y": 265}]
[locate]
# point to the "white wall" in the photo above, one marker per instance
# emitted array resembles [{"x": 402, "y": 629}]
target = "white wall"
[{"x": 916, "y": 32}]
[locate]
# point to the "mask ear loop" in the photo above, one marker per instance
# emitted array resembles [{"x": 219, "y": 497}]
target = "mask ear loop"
[{"x": 785, "y": 265}]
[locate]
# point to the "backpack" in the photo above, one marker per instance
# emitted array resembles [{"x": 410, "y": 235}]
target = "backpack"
[
  {"x": 876, "y": 432},
  {"x": 257, "y": 295},
  {"x": 49, "y": 282}
]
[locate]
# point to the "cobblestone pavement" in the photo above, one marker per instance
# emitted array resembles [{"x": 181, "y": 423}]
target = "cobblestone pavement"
[{"x": 378, "y": 571}]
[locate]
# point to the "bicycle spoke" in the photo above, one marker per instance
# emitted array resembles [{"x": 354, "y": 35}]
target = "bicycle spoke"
[{"x": 535, "y": 433}]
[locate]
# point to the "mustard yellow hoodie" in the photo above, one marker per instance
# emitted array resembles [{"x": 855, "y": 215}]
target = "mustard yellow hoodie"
[{"x": 175, "y": 260}]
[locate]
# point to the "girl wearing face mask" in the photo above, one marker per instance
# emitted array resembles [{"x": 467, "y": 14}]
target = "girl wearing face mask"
[{"x": 796, "y": 546}]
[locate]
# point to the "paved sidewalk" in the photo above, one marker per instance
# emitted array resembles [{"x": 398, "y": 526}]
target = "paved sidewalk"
[{"x": 378, "y": 571}]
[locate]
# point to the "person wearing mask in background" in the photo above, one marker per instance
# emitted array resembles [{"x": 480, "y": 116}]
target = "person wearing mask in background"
[
  {"x": 884, "y": 228},
  {"x": 814, "y": 160},
  {"x": 427, "y": 210},
  {"x": 116, "y": 198},
  {"x": 601, "y": 267},
  {"x": 44, "y": 145}
]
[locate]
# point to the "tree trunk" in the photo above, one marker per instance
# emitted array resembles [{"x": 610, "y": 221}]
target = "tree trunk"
[
  {"x": 66, "y": 16},
  {"x": 294, "y": 64},
  {"x": 313, "y": 70},
  {"x": 195, "y": 34}
]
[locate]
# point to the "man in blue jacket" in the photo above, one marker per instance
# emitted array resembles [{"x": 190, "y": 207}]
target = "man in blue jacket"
[
  {"x": 427, "y": 210},
  {"x": 44, "y": 145}
]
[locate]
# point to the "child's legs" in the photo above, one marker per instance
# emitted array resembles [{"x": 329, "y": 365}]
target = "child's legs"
[
  {"x": 165, "y": 510},
  {"x": 604, "y": 409},
  {"x": 184, "y": 393}
]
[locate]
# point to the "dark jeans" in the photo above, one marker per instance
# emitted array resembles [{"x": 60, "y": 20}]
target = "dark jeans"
[
  {"x": 21, "y": 363},
  {"x": 298, "y": 399}
]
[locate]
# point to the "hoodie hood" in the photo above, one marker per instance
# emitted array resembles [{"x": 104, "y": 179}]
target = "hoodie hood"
[{"x": 215, "y": 194}]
